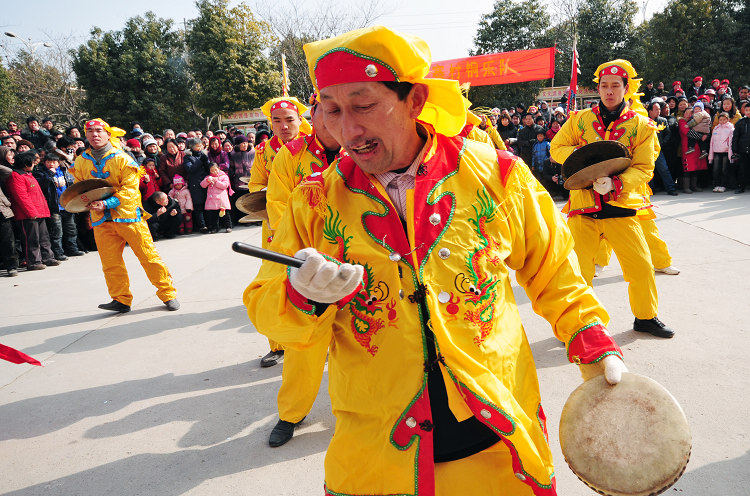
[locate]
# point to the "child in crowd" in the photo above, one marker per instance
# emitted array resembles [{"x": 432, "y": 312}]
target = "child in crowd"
[
  {"x": 721, "y": 144},
  {"x": 217, "y": 199},
  {"x": 29, "y": 212},
  {"x": 700, "y": 129},
  {"x": 165, "y": 217},
  {"x": 540, "y": 153},
  {"x": 51, "y": 179},
  {"x": 151, "y": 181},
  {"x": 180, "y": 193}
]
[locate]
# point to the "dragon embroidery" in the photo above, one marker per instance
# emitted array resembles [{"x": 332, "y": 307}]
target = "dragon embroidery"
[
  {"x": 479, "y": 285},
  {"x": 365, "y": 306}
]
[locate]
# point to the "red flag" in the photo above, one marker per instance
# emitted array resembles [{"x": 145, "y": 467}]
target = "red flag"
[
  {"x": 14, "y": 356},
  {"x": 574, "y": 72}
]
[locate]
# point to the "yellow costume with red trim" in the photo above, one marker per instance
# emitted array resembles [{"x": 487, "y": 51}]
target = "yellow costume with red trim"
[
  {"x": 123, "y": 222},
  {"x": 624, "y": 234},
  {"x": 303, "y": 370},
  {"x": 475, "y": 214},
  {"x": 432, "y": 337},
  {"x": 264, "y": 158}
]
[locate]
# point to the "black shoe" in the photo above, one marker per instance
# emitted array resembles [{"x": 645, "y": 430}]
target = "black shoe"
[
  {"x": 115, "y": 306},
  {"x": 204, "y": 230},
  {"x": 672, "y": 193},
  {"x": 653, "y": 326},
  {"x": 172, "y": 305},
  {"x": 51, "y": 262},
  {"x": 272, "y": 358},
  {"x": 61, "y": 257},
  {"x": 282, "y": 433},
  {"x": 76, "y": 253},
  {"x": 739, "y": 191}
]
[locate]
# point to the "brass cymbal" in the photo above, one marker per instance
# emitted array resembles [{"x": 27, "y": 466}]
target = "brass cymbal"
[{"x": 77, "y": 197}]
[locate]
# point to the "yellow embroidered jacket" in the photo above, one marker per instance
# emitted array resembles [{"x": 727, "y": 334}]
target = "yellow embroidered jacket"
[
  {"x": 474, "y": 215},
  {"x": 297, "y": 160},
  {"x": 635, "y": 131},
  {"x": 265, "y": 153},
  {"x": 121, "y": 171}
]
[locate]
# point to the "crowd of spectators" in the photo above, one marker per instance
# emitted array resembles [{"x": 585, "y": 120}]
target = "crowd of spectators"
[{"x": 191, "y": 180}]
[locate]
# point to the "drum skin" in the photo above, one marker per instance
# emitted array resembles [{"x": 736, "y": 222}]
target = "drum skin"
[{"x": 631, "y": 439}]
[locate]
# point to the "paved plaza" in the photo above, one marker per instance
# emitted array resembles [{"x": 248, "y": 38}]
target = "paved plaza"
[{"x": 160, "y": 403}]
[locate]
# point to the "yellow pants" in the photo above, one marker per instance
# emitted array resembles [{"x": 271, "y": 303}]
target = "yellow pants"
[
  {"x": 626, "y": 237},
  {"x": 267, "y": 234},
  {"x": 300, "y": 381},
  {"x": 660, "y": 256},
  {"x": 487, "y": 473},
  {"x": 111, "y": 238}
]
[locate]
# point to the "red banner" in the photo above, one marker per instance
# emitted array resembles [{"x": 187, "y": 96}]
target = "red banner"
[{"x": 498, "y": 68}]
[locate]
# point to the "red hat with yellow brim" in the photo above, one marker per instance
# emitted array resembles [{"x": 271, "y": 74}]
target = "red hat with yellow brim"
[{"x": 378, "y": 54}]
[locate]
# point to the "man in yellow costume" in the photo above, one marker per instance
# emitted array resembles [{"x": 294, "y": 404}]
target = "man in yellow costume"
[
  {"x": 408, "y": 244},
  {"x": 611, "y": 209},
  {"x": 287, "y": 123},
  {"x": 120, "y": 219},
  {"x": 304, "y": 157}
]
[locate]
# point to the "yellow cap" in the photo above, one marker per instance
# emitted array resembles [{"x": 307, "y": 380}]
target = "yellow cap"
[
  {"x": 622, "y": 68},
  {"x": 287, "y": 102},
  {"x": 377, "y": 54}
]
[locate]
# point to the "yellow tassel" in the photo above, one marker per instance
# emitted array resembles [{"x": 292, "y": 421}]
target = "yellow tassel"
[{"x": 315, "y": 196}]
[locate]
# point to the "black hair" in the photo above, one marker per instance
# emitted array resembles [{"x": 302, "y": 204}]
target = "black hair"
[
  {"x": 52, "y": 156},
  {"x": 48, "y": 119},
  {"x": 650, "y": 106},
  {"x": 402, "y": 89},
  {"x": 25, "y": 159},
  {"x": 31, "y": 119}
]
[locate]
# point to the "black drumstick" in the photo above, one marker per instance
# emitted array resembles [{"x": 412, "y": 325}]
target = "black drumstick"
[{"x": 271, "y": 256}]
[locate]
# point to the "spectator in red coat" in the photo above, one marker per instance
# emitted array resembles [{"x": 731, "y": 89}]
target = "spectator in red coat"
[
  {"x": 30, "y": 211},
  {"x": 151, "y": 180}
]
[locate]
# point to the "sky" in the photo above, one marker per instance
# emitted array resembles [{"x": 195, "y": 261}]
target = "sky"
[{"x": 447, "y": 28}]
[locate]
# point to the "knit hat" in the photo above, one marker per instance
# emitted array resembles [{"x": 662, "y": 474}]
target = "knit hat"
[
  {"x": 150, "y": 142},
  {"x": 178, "y": 179},
  {"x": 676, "y": 83},
  {"x": 147, "y": 160},
  {"x": 697, "y": 78},
  {"x": 378, "y": 54},
  {"x": 710, "y": 91},
  {"x": 698, "y": 104},
  {"x": 133, "y": 143},
  {"x": 239, "y": 138}
]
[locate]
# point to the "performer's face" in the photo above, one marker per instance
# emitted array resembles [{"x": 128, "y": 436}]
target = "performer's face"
[
  {"x": 97, "y": 136},
  {"x": 612, "y": 90},
  {"x": 322, "y": 133},
  {"x": 285, "y": 123},
  {"x": 376, "y": 128}
]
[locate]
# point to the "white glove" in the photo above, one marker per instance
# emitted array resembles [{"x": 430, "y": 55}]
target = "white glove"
[
  {"x": 323, "y": 281},
  {"x": 603, "y": 185},
  {"x": 612, "y": 367}
]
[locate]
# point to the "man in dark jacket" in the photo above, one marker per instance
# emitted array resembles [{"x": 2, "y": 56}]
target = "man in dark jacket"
[
  {"x": 196, "y": 165},
  {"x": 165, "y": 215},
  {"x": 527, "y": 138},
  {"x": 34, "y": 133},
  {"x": 663, "y": 134},
  {"x": 741, "y": 150}
]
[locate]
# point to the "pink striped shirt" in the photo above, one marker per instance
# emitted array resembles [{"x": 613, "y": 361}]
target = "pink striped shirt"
[{"x": 396, "y": 185}]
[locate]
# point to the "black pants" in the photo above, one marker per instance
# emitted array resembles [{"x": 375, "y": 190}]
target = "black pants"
[
  {"x": 7, "y": 244},
  {"x": 55, "y": 231},
  {"x": 213, "y": 220},
  {"x": 743, "y": 171},
  {"x": 69, "y": 232},
  {"x": 35, "y": 241},
  {"x": 165, "y": 225}
]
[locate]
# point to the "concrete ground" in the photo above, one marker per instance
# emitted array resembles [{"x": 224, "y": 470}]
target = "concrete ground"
[{"x": 175, "y": 403}]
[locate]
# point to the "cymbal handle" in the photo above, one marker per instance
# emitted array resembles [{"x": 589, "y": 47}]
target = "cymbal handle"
[{"x": 271, "y": 256}]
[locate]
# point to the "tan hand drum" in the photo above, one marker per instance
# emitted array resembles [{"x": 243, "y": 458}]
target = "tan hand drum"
[
  {"x": 631, "y": 439},
  {"x": 76, "y": 198},
  {"x": 592, "y": 161},
  {"x": 253, "y": 203}
]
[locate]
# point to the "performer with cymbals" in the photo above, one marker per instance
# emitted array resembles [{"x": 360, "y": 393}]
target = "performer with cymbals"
[
  {"x": 120, "y": 218},
  {"x": 408, "y": 249},
  {"x": 287, "y": 123},
  {"x": 302, "y": 160},
  {"x": 611, "y": 209}
]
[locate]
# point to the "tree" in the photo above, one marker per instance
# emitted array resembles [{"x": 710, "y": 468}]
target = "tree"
[
  {"x": 226, "y": 60},
  {"x": 510, "y": 26},
  {"x": 299, "y": 23},
  {"x": 137, "y": 74},
  {"x": 8, "y": 99},
  {"x": 607, "y": 31},
  {"x": 698, "y": 37}
]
